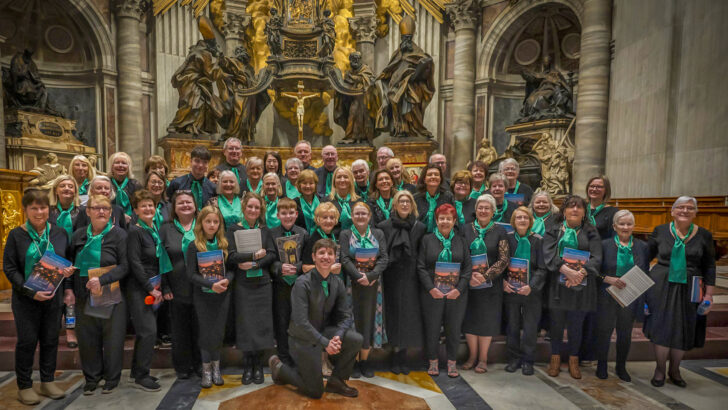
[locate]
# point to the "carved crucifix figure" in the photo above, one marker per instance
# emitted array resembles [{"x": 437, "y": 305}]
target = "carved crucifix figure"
[{"x": 300, "y": 110}]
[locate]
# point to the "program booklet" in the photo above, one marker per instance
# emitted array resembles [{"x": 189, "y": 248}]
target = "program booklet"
[
  {"x": 518, "y": 199},
  {"x": 47, "y": 273},
  {"x": 446, "y": 276},
  {"x": 109, "y": 294},
  {"x": 366, "y": 259},
  {"x": 519, "y": 274},
  {"x": 289, "y": 248},
  {"x": 506, "y": 226},
  {"x": 248, "y": 240},
  {"x": 576, "y": 260},
  {"x": 697, "y": 290},
  {"x": 637, "y": 283},
  {"x": 480, "y": 265},
  {"x": 211, "y": 265}
]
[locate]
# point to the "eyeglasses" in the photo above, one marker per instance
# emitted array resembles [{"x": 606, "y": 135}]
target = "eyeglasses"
[
  {"x": 685, "y": 208},
  {"x": 100, "y": 208},
  {"x": 596, "y": 186},
  {"x": 509, "y": 169},
  {"x": 404, "y": 201}
]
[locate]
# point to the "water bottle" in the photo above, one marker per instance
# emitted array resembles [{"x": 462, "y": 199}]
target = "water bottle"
[
  {"x": 702, "y": 309},
  {"x": 70, "y": 316},
  {"x": 646, "y": 310}
]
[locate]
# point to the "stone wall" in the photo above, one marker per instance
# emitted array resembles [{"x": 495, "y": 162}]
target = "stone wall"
[{"x": 667, "y": 112}]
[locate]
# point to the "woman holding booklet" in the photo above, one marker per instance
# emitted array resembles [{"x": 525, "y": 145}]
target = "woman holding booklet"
[
  {"x": 364, "y": 258},
  {"x": 523, "y": 282},
  {"x": 573, "y": 255},
  {"x": 37, "y": 312},
  {"x": 684, "y": 279},
  {"x": 489, "y": 253},
  {"x": 619, "y": 254},
  {"x": 444, "y": 268},
  {"x": 252, "y": 289}
]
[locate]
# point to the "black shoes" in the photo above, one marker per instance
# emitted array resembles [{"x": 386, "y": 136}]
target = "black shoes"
[
  {"x": 621, "y": 371},
  {"x": 527, "y": 369},
  {"x": 145, "y": 383},
  {"x": 258, "y": 376},
  {"x": 394, "y": 368},
  {"x": 89, "y": 388},
  {"x": 336, "y": 385},
  {"x": 602, "y": 370},
  {"x": 109, "y": 387},
  {"x": 657, "y": 383},
  {"x": 677, "y": 382},
  {"x": 512, "y": 366},
  {"x": 366, "y": 369},
  {"x": 247, "y": 375},
  {"x": 356, "y": 372}
]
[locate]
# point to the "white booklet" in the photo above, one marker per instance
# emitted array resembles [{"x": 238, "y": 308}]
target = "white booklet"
[
  {"x": 637, "y": 283},
  {"x": 248, "y": 240}
]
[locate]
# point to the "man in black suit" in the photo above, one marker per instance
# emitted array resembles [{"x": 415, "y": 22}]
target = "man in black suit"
[{"x": 325, "y": 173}]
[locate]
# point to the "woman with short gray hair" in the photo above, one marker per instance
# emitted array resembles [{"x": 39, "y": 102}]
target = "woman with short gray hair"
[
  {"x": 498, "y": 188},
  {"x": 510, "y": 168},
  {"x": 294, "y": 166}
]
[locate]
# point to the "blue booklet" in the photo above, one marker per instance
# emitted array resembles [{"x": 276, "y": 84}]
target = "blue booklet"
[
  {"x": 446, "y": 276},
  {"x": 576, "y": 260},
  {"x": 480, "y": 265},
  {"x": 518, "y": 273},
  {"x": 506, "y": 226},
  {"x": 517, "y": 199},
  {"x": 366, "y": 259},
  {"x": 211, "y": 265},
  {"x": 47, "y": 273}
]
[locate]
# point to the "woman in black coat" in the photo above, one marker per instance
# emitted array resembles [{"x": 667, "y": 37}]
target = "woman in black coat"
[
  {"x": 444, "y": 296},
  {"x": 36, "y": 312},
  {"x": 619, "y": 255},
  {"x": 460, "y": 185},
  {"x": 571, "y": 299},
  {"x": 400, "y": 282},
  {"x": 431, "y": 194},
  {"x": 380, "y": 196},
  {"x": 364, "y": 276},
  {"x": 253, "y": 290}
]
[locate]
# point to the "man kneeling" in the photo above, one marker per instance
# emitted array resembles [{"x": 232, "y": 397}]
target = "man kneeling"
[{"x": 320, "y": 320}]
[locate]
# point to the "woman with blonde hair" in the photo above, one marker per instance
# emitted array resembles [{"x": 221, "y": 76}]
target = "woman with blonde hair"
[
  {"x": 326, "y": 218},
  {"x": 309, "y": 200},
  {"x": 124, "y": 184},
  {"x": 273, "y": 190},
  {"x": 400, "y": 176},
  {"x": 343, "y": 195},
  {"x": 82, "y": 172},
  {"x": 254, "y": 181}
]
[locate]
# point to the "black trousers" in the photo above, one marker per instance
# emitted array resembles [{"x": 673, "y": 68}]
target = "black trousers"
[
  {"x": 447, "y": 313},
  {"x": 36, "y": 323},
  {"x": 588, "y": 350},
  {"x": 185, "y": 349},
  {"x": 610, "y": 314},
  {"x": 164, "y": 319},
  {"x": 281, "y": 319},
  {"x": 527, "y": 314},
  {"x": 307, "y": 373},
  {"x": 573, "y": 320},
  {"x": 101, "y": 343},
  {"x": 144, "y": 319}
]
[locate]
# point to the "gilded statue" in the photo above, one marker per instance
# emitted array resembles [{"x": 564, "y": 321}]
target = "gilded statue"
[
  {"x": 300, "y": 108},
  {"x": 486, "y": 153},
  {"x": 24, "y": 90},
  {"x": 408, "y": 85},
  {"x": 357, "y": 113},
  {"x": 300, "y": 11},
  {"x": 12, "y": 218},
  {"x": 273, "y": 32},
  {"x": 556, "y": 160},
  {"x": 328, "y": 38},
  {"x": 243, "y": 112},
  {"x": 47, "y": 172},
  {"x": 548, "y": 95}
]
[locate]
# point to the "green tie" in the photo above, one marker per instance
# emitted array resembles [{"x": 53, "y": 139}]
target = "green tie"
[
  {"x": 237, "y": 174},
  {"x": 329, "y": 175},
  {"x": 271, "y": 213},
  {"x": 325, "y": 285},
  {"x": 539, "y": 226},
  {"x": 187, "y": 236},
  {"x": 121, "y": 197},
  {"x": 257, "y": 190},
  {"x": 498, "y": 217},
  {"x": 345, "y": 205},
  {"x": 39, "y": 244},
  {"x": 568, "y": 240},
  {"x": 478, "y": 246},
  {"x": 678, "y": 265},
  {"x": 446, "y": 253},
  {"x": 459, "y": 209},
  {"x": 363, "y": 241},
  {"x": 197, "y": 193},
  {"x": 158, "y": 217},
  {"x": 518, "y": 184},
  {"x": 83, "y": 189},
  {"x": 523, "y": 249},
  {"x": 231, "y": 212},
  {"x": 165, "y": 265},
  {"x": 64, "y": 219},
  {"x": 291, "y": 191},
  {"x": 385, "y": 209},
  {"x": 593, "y": 213},
  {"x": 308, "y": 213},
  {"x": 625, "y": 260},
  {"x": 90, "y": 256},
  {"x": 431, "y": 205},
  {"x": 475, "y": 194}
]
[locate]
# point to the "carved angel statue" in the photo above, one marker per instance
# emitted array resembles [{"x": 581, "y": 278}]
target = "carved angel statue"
[
  {"x": 47, "y": 172},
  {"x": 486, "y": 153},
  {"x": 357, "y": 114}
]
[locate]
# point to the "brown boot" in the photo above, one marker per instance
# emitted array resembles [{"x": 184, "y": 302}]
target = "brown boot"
[
  {"x": 555, "y": 365},
  {"x": 574, "y": 367}
]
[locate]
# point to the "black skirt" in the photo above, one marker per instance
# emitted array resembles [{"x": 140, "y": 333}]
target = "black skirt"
[
  {"x": 485, "y": 308},
  {"x": 211, "y": 309},
  {"x": 253, "y": 316}
]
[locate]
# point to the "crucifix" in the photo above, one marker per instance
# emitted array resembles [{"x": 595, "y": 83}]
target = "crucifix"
[{"x": 300, "y": 110}]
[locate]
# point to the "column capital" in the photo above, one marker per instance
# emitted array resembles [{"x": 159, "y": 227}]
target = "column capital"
[
  {"x": 235, "y": 25},
  {"x": 363, "y": 28},
  {"x": 131, "y": 8},
  {"x": 462, "y": 14}
]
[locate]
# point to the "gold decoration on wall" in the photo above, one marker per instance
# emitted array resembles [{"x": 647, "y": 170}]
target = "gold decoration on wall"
[{"x": 12, "y": 217}]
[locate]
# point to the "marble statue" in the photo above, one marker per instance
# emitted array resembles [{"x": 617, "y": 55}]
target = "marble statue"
[
  {"x": 408, "y": 86},
  {"x": 352, "y": 112},
  {"x": 486, "y": 153},
  {"x": 23, "y": 87},
  {"x": 556, "y": 160},
  {"x": 48, "y": 172},
  {"x": 548, "y": 95},
  {"x": 273, "y": 32}
]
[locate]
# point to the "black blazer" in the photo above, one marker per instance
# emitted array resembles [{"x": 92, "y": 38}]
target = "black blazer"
[
  {"x": 76, "y": 214},
  {"x": 143, "y": 262},
  {"x": 185, "y": 182},
  {"x": 348, "y": 261},
  {"x": 430, "y": 249},
  {"x": 321, "y": 172},
  {"x": 605, "y": 222},
  {"x": 525, "y": 190},
  {"x": 113, "y": 252},
  {"x": 301, "y": 220},
  {"x": 640, "y": 254},
  {"x": 132, "y": 186},
  {"x": 377, "y": 213},
  {"x": 176, "y": 279}
]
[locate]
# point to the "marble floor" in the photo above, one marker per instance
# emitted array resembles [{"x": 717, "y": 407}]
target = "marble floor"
[{"x": 707, "y": 389}]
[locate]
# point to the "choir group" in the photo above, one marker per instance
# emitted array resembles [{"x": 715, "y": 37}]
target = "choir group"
[{"x": 380, "y": 261}]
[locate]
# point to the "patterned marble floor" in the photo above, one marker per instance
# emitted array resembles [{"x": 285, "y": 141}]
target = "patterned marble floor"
[{"x": 707, "y": 389}]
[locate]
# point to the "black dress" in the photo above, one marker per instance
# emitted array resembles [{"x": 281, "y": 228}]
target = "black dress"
[
  {"x": 401, "y": 286},
  {"x": 485, "y": 306},
  {"x": 423, "y": 206},
  {"x": 605, "y": 221},
  {"x": 364, "y": 298},
  {"x": 673, "y": 321}
]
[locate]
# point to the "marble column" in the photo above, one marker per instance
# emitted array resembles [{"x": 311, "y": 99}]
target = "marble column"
[
  {"x": 364, "y": 30},
  {"x": 463, "y": 16},
  {"x": 129, "y": 80},
  {"x": 236, "y": 22},
  {"x": 593, "y": 99},
  {"x": 3, "y": 155}
]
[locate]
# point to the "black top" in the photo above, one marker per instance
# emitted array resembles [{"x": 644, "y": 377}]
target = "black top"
[
  {"x": 699, "y": 252},
  {"x": 536, "y": 264},
  {"x": 193, "y": 271},
  {"x": 408, "y": 187},
  {"x": 423, "y": 206},
  {"x": 176, "y": 279},
  {"x": 279, "y": 232},
  {"x": 605, "y": 221},
  {"x": 76, "y": 215},
  {"x": 17, "y": 246},
  {"x": 525, "y": 190},
  {"x": 338, "y": 208},
  {"x": 506, "y": 219},
  {"x": 468, "y": 210},
  {"x": 322, "y": 173},
  {"x": 430, "y": 249},
  {"x": 185, "y": 182},
  {"x": 234, "y": 257},
  {"x": 118, "y": 218},
  {"x": 348, "y": 260},
  {"x": 312, "y": 311},
  {"x": 143, "y": 262},
  {"x": 377, "y": 213},
  {"x": 640, "y": 255},
  {"x": 113, "y": 252},
  {"x": 301, "y": 220},
  {"x": 362, "y": 191},
  {"x": 224, "y": 166}
]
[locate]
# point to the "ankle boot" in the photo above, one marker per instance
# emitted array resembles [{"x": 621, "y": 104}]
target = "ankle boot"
[
  {"x": 403, "y": 362},
  {"x": 366, "y": 369},
  {"x": 258, "y": 376},
  {"x": 216, "y": 376},
  {"x": 394, "y": 367},
  {"x": 574, "y": 367},
  {"x": 247, "y": 370},
  {"x": 554, "y": 366},
  {"x": 621, "y": 370},
  {"x": 602, "y": 369},
  {"x": 206, "y": 381}
]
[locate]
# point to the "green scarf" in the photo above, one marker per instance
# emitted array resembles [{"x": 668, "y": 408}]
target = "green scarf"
[
  {"x": 83, "y": 189},
  {"x": 158, "y": 217},
  {"x": 446, "y": 253},
  {"x": 430, "y": 215},
  {"x": 90, "y": 256},
  {"x": 257, "y": 272},
  {"x": 165, "y": 265},
  {"x": 678, "y": 265},
  {"x": 64, "y": 219},
  {"x": 459, "y": 209},
  {"x": 591, "y": 214},
  {"x": 515, "y": 189},
  {"x": 539, "y": 225},
  {"x": 324, "y": 236},
  {"x": 247, "y": 226},
  {"x": 231, "y": 212},
  {"x": 325, "y": 285},
  {"x": 345, "y": 206},
  {"x": 237, "y": 174},
  {"x": 625, "y": 260},
  {"x": 363, "y": 241},
  {"x": 498, "y": 216},
  {"x": 477, "y": 247},
  {"x": 308, "y": 212},
  {"x": 523, "y": 249},
  {"x": 475, "y": 194},
  {"x": 187, "y": 236},
  {"x": 363, "y": 194},
  {"x": 256, "y": 190},
  {"x": 197, "y": 192},
  {"x": 291, "y": 191},
  {"x": 568, "y": 240},
  {"x": 271, "y": 213},
  {"x": 38, "y": 246},
  {"x": 121, "y": 197},
  {"x": 329, "y": 176},
  {"x": 400, "y": 186},
  {"x": 386, "y": 210}
]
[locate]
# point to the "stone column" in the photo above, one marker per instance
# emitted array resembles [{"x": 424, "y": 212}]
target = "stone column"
[
  {"x": 129, "y": 80},
  {"x": 3, "y": 155},
  {"x": 236, "y": 22},
  {"x": 363, "y": 26},
  {"x": 593, "y": 99},
  {"x": 463, "y": 16}
]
